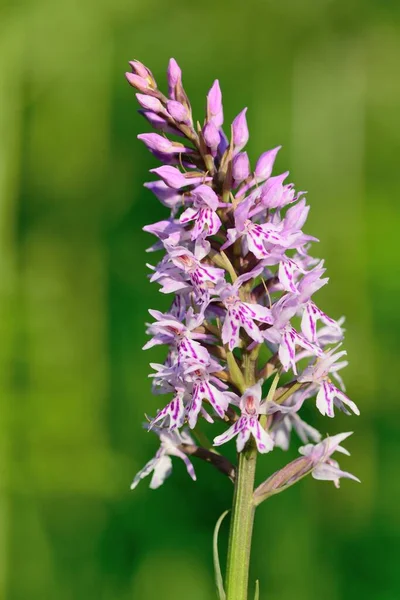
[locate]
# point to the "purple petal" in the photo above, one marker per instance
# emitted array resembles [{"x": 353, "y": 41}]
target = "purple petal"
[
  {"x": 214, "y": 105},
  {"x": 265, "y": 164},
  {"x": 240, "y": 131}
]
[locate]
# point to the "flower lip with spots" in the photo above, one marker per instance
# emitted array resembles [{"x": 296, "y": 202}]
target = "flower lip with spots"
[{"x": 248, "y": 424}]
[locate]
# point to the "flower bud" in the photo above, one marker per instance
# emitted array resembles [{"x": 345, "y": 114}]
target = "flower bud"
[
  {"x": 177, "y": 180},
  {"x": 240, "y": 168},
  {"x": 150, "y": 103},
  {"x": 139, "y": 70},
  {"x": 215, "y": 111},
  {"x": 178, "y": 112},
  {"x": 265, "y": 164},
  {"x": 160, "y": 144},
  {"x": 138, "y": 82},
  {"x": 174, "y": 77},
  {"x": 175, "y": 87},
  {"x": 240, "y": 131},
  {"x": 211, "y": 135}
]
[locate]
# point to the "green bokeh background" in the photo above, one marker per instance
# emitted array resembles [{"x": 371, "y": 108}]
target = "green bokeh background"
[{"x": 319, "y": 77}]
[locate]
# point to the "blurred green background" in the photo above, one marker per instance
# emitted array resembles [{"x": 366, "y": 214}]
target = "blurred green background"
[{"x": 319, "y": 77}]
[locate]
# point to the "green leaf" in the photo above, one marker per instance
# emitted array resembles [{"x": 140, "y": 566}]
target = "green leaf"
[
  {"x": 273, "y": 387},
  {"x": 270, "y": 397},
  {"x": 257, "y": 592},
  {"x": 217, "y": 567}
]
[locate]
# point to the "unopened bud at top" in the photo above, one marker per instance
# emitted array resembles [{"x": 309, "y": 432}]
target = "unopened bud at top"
[
  {"x": 175, "y": 87},
  {"x": 138, "y": 82},
  {"x": 215, "y": 111},
  {"x": 174, "y": 77},
  {"x": 240, "y": 131},
  {"x": 141, "y": 77},
  {"x": 140, "y": 69}
]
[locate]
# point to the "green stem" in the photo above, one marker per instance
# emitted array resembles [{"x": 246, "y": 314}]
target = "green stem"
[
  {"x": 239, "y": 546},
  {"x": 237, "y": 575}
]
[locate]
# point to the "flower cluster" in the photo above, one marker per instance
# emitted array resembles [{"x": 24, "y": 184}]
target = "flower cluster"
[{"x": 237, "y": 264}]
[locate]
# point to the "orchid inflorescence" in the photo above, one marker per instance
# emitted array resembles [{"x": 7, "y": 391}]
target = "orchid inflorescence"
[{"x": 242, "y": 316}]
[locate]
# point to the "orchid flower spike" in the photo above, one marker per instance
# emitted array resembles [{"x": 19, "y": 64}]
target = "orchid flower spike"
[{"x": 247, "y": 345}]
